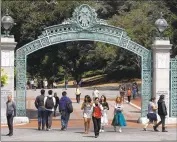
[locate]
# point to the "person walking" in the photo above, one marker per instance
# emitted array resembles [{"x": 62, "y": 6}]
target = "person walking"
[
  {"x": 96, "y": 116},
  {"x": 31, "y": 84},
  {"x": 78, "y": 94},
  {"x": 10, "y": 113},
  {"x": 129, "y": 93},
  {"x": 118, "y": 119},
  {"x": 49, "y": 103},
  {"x": 66, "y": 84},
  {"x": 35, "y": 84},
  {"x": 87, "y": 113},
  {"x": 122, "y": 93},
  {"x": 95, "y": 94},
  {"x": 134, "y": 91},
  {"x": 152, "y": 116},
  {"x": 162, "y": 112},
  {"x": 104, "y": 117},
  {"x": 57, "y": 103},
  {"x": 39, "y": 104},
  {"x": 65, "y": 114}
]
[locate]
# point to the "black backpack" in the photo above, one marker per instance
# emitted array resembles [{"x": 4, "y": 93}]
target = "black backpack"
[
  {"x": 49, "y": 103},
  {"x": 69, "y": 107}
]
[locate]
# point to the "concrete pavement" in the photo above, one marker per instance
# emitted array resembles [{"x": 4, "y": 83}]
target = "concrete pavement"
[
  {"x": 132, "y": 132},
  {"x": 76, "y": 134}
]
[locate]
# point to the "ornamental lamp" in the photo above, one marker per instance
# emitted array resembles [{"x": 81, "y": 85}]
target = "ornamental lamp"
[
  {"x": 7, "y": 22},
  {"x": 161, "y": 23}
]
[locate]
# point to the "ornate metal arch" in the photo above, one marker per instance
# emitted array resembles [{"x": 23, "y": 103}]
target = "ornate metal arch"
[{"x": 84, "y": 25}]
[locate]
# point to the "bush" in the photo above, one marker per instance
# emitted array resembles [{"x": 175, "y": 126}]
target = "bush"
[
  {"x": 4, "y": 78},
  {"x": 92, "y": 73}
]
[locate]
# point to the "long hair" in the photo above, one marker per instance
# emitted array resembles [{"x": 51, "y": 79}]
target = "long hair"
[
  {"x": 88, "y": 99},
  {"x": 104, "y": 99},
  {"x": 119, "y": 99}
]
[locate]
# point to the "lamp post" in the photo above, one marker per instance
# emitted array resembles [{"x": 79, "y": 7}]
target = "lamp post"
[
  {"x": 7, "y": 23},
  {"x": 161, "y": 24}
]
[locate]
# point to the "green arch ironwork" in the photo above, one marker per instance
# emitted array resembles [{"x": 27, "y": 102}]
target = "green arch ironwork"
[{"x": 84, "y": 25}]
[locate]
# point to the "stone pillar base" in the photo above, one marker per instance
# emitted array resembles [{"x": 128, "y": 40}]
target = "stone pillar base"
[
  {"x": 142, "y": 120},
  {"x": 168, "y": 120},
  {"x": 19, "y": 120}
]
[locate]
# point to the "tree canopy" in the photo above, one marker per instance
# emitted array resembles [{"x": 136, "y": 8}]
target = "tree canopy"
[{"x": 76, "y": 59}]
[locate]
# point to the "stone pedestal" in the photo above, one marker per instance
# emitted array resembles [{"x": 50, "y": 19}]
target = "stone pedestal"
[
  {"x": 161, "y": 72},
  {"x": 161, "y": 76},
  {"x": 8, "y": 45}
]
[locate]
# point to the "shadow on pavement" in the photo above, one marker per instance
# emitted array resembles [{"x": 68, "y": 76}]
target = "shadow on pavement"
[
  {"x": 134, "y": 121},
  {"x": 135, "y": 111},
  {"x": 89, "y": 136}
]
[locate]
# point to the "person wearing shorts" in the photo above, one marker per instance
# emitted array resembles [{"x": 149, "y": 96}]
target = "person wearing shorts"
[
  {"x": 87, "y": 112},
  {"x": 152, "y": 116}
]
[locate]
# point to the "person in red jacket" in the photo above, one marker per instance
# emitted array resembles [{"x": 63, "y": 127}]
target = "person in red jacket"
[{"x": 96, "y": 116}]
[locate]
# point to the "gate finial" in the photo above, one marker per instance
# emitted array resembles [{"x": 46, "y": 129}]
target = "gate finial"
[{"x": 85, "y": 17}]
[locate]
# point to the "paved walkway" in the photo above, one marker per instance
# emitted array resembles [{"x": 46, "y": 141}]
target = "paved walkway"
[
  {"x": 132, "y": 132},
  {"x": 76, "y": 134}
]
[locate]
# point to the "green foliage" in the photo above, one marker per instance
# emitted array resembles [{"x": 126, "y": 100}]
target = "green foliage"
[
  {"x": 4, "y": 77},
  {"x": 83, "y": 59},
  {"x": 92, "y": 73}
]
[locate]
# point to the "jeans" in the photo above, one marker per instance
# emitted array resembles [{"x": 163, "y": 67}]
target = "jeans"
[
  {"x": 162, "y": 121},
  {"x": 41, "y": 117},
  {"x": 64, "y": 119},
  {"x": 97, "y": 125},
  {"x": 55, "y": 108},
  {"x": 66, "y": 86},
  {"x": 48, "y": 118},
  {"x": 10, "y": 123},
  {"x": 78, "y": 98}
]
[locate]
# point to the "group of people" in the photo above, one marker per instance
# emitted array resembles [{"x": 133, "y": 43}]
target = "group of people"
[
  {"x": 34, "y": 84},
  {"x": 152, "y": 113},
  {"x": 46, "y": 105},
  {"x": 97, "y": 110},
  {"x": 131, "y": 92}
]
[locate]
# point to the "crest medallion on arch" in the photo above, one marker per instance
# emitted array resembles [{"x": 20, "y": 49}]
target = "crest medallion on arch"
[{"x": 86, "y": 16}]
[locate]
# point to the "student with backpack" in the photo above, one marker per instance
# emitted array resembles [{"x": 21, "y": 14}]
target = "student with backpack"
[
  {"x": 65, "y": 108},
  {"x": 49, "y": 103}
]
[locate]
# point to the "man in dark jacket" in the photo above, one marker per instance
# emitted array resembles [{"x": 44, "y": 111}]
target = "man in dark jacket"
[
  {"x": 10, "y": 113},
  {"x": 57, "y": 103},
  {"x": 63, "y": 110},
  {"x": 39, "y": 103},
  {"x": 162, "y": 112}
]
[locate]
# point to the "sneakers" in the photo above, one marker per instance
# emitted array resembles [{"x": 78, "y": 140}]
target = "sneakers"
[
  {"x": 11, "y": 134},
  {"x": 155, "y": 129},
  {"x": 120, "y": 130},
  {"x": 48, "y": 129},
  {"x": 96, "y": 136},
  {"x": 63, "y": 129},
  {"x": 101, "y": 130},
  {"x": 144, "y": 129}
]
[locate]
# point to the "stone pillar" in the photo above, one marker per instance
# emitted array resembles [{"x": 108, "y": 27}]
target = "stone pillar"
[
  {"x": 8, "y": 45},
  {"x": 161, "y": 71}
]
